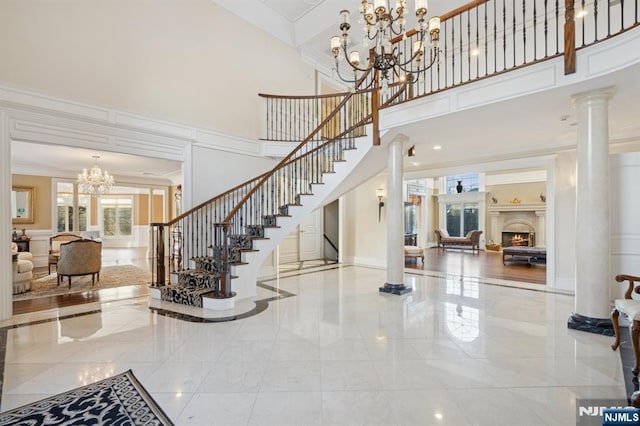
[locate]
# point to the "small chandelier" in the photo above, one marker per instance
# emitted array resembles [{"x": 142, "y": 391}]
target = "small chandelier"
[
  {"x": 95, "y": 182},
  {"x": 381, "y": 24}
]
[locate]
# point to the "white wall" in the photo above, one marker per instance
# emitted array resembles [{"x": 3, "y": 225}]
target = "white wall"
[
  {"x": 216, "y": 171},
  {"x": 624, "y": 211},
  {"x": 364, "y": 239},
  {"x": 180, "y": 60}
]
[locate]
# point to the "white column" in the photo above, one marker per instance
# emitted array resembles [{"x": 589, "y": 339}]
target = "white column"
[
  {"x": 495, "y": 228},
  {"x": 76, "y": 210},
  {"x": 541, "y": 228},
  {"x": 395, "y": 220},
  {"x": 6, "y": 308},
  {"x": 592, "y": 299}
]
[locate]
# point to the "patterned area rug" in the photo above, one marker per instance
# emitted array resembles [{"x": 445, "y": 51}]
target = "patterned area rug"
[
  {"x": 118, "y": 400},
  {"x": 110, "y": 277}
]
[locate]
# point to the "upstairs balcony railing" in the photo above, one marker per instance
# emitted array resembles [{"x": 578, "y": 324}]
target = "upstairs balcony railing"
[{"x": 489, "y": 37}]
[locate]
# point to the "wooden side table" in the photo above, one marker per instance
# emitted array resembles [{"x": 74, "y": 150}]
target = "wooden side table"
[{"x": 23, "y": 244}]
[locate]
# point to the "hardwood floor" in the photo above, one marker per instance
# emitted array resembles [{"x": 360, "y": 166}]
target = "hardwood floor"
[
  {"x": 460, "y": 262},
  {"x": 61, "y": 301},
  {"x": 484, "y": 264}
]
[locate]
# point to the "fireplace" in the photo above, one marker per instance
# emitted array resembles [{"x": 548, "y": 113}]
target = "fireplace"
[
  {"x": 519, "y": 238},
  {"x": 518, "y": 224}
]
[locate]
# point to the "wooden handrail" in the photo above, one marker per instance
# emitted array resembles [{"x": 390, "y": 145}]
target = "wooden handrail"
[
  {"x": 204, "y": 203},
  {"x": 286, "y": 159},
  {"x": 289, "y": 97},
  {"x": 235, "y": 188},
  {"x": 443, "y": 17},
  {"x": 300, "y": 145}
]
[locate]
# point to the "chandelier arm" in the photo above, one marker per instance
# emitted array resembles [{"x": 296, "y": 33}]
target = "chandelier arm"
[
  {"x": 434, "y": 56},
  {"x": 413, "y": 56},
  {"x": 355, "y": 67},
  {"x": 346, "y": 80}
]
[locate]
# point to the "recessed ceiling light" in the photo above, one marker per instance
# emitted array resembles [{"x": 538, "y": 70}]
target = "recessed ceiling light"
[{"x": 437, "y": 147}]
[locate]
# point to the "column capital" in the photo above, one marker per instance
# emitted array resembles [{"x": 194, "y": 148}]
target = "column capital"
[
  {"x": 400, "y": 138},
  {"x": 602, "y": 94}
]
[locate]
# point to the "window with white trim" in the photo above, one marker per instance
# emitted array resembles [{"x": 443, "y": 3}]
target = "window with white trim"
[{"x": 116, "y": 216}]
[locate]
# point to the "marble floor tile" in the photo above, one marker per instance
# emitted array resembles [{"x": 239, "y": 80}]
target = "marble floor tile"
[
  {"x": 291, "y": 376},
  {"x": 217, "y": 409},
  {"x": 287, "y": 408},
  {"x": 357, "y": 408},
  {"x": 239, "y": 376},
  {"x": 349, "y": 375}
]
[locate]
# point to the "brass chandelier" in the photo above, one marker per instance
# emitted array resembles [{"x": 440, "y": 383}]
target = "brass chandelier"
[{"x": 381, "y": 25}]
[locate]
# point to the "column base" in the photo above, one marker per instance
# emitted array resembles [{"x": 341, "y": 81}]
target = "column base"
[
  {"x": 397, "y": 289},
  {"x": 592, "y": 325}
]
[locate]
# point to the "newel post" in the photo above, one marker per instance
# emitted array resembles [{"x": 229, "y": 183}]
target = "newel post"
[
  {"x": 569, "y": 38},
  {"x": 222, "y": 242},
  {"x": 160, "y": 271},
  {"x": 375, "y": 115}
]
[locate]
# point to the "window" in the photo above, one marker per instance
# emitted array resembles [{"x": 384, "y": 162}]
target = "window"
[
  {"x": 65, "y": 209},
  {"x": 117, "y": 216},
  {"x": 461, "y": 218},
  {"x": 469, "y": 183}
]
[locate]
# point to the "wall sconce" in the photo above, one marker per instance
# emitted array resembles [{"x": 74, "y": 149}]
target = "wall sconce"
[
  {"x": 380, "y": 195},
  {"x": 412, "y": 151}
]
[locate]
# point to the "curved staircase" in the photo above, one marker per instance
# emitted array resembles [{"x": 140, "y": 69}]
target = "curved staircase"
[{"x": 215, "y": 250}]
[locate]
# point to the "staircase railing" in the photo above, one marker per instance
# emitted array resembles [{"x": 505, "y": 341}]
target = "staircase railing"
[{"x": 222, "y": 225}]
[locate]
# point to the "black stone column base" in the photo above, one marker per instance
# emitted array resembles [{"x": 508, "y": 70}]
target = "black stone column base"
[
  {"x": 397, "y": 289},
  {"x": 592, "y": 325}
]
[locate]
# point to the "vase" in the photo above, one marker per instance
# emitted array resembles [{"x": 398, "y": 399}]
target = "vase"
[{"x": 459, "y": 186}]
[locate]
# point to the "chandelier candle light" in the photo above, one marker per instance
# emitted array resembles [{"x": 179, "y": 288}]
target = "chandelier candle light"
[
  {"x": 381, "y": 24},
  {"x": 95, "y": 182}
]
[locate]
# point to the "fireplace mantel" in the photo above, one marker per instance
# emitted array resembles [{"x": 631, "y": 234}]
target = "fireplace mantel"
[
  {"x": 504, "y": 208},
  {"x": 505, "y": 215}
]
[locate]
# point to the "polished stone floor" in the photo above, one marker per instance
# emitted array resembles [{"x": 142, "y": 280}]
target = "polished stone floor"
[{"x": 454, "y": 351}]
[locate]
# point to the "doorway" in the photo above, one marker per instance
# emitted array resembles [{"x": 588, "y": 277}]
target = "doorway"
[{"x": 314, "y": 242}]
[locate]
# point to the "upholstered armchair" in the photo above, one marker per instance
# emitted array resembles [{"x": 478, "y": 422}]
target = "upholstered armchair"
[
  {"x": 54, "y": 246},
  {"x": 23, "y": 255},
  {"x": 80, "y": 257},
  {"x": 22, "y": 270},
  {"x": 630, "y": 308}
]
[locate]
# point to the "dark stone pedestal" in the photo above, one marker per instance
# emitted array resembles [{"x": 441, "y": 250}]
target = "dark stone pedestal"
[
  {"x": 592, "y": 325},
  {"x": 397, "y": 289}
]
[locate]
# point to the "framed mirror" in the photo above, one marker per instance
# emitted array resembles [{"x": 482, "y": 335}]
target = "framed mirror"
[{"x": 22, "y": 204}]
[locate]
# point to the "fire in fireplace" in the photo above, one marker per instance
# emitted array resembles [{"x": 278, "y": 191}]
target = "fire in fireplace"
[{"x": 526, "y": 239}]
